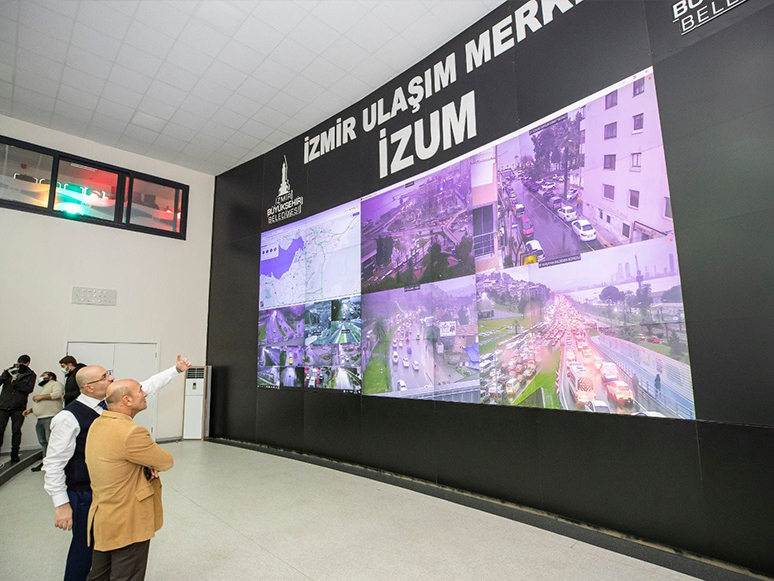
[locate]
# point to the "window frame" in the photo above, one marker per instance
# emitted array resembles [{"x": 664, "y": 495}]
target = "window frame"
[
  {"x": 605, "y": 190},
  {"x": 123, "y": 197},
  {"x": 641, "y": 85},
  {"x": 635, "y": 129},
  {"x": 606, "y": 158},
  {"x": 614, "y": 133},
  {"x": 637, "y": 206}
]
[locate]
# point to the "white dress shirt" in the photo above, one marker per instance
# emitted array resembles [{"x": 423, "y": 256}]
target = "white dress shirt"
[{"x": 65, "y": 429}]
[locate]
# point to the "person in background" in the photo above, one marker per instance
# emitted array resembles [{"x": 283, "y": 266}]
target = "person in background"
[
  {"x": 124, "y": 463},
  {"x": 45, "y": 405},
  {"x": 17, "y": 382},
  {"x": 66, "y": 475},
  {"x": 70, "y": 367}
]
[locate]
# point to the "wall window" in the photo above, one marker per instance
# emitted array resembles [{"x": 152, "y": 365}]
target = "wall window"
[
  {"x": 483, "y": 231},
  {"x": 634, "y": 198},
  {"x": 45, "y": 181},
  {"x": 84, "y": 190},
  {"x": 636, "y": 161},
  {"x": 625, "y": 230},
  {"x": 25, "y": 176},
  {"x": 639, "y": 122},
  {"x": 583, "y": 136},
  {"x": 639, "y": 87},
  {"x": 610, "y": 161},
  {"x": 668, "y": 208},
  {"x": 611, "y": 99},
  {"x": 600, "y": 214},
  {"x": 611, "y": 130},
  {"x": 609, "y": 192},
  {"x": 155, "y": 206}
]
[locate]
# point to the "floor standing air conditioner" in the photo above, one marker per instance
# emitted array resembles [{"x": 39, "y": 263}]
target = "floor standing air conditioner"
[{"x": 196, "y": 416}]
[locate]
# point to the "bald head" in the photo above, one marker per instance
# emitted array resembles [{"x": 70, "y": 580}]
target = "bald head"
[
  {"x": 89, "y": 374},
  {"x": 126, "y": 396}
]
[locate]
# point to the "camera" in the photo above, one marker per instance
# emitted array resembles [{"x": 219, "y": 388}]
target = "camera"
[{"x": 14, "y": 370}]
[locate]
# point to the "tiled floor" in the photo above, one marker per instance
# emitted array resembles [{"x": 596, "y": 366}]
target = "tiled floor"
[{"x": 233, "y": 514}]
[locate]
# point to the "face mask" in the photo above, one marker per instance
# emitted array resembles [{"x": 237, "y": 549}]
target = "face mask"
[
  {"x": 64, "y": 370},
  {"x": 43, "y": 381},
  {"x": 23, "y": 369}
]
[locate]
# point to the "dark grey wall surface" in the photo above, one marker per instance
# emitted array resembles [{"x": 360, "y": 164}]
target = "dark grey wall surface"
[{"x": 703, "y": 486}]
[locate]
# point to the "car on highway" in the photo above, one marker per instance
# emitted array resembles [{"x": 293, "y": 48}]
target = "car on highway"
[
  {"x": 609, "y": 371},
  {"x": 405, "y": 362},
  {"x": 650, "y": 414},
  {"x": 402, "y": 385},
  {"x": 619, "y": 391},
  {"x": 567, "y": 213},
  {"x": 518, "y": 210},
  {"x": 534, "y": 247},
  {"x": 598, "y": 406},
  {"x": 395, "y": 357},
  {"x": 527, "y": 229},
  {"x": 584, "y": 230}
]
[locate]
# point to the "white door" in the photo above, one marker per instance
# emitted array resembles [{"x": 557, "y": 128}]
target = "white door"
[
  {"x": 138, "y": 361},
  {"x": 93, "y": 353},
  {"x": 125, "y": 361}
]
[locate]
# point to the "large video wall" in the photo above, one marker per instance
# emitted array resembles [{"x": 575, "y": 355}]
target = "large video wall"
[{"x": 539, "y": 270}]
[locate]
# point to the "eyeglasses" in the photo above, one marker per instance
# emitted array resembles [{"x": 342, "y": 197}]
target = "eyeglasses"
[{"x": 103, "y": 378}]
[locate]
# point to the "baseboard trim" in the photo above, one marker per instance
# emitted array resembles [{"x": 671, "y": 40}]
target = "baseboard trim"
[{"x": 8, "y": 470}]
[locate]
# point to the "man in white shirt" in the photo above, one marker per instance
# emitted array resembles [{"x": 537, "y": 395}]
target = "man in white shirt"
[{"x": 67, "y": 478}]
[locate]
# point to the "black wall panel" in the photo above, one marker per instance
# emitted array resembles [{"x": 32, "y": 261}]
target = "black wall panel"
[
  {"x": 636, "y": 475},
  {"x": 731, "y": 361},
  {"x": 490, "y": 450},
  {"x": 279, "y": 417},
  {"x": 332, "y": 425},
  {"x": 738, "y": 479},
  {"x": 724, "y": 76},
  {"x": 720, "y": 172},
  {"x": 399, "y": 436},
  {"x": 696, "y": 485},
  {"x": 551, "y": 74}
]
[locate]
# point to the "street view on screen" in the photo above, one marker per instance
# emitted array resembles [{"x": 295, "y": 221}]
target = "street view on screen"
[{"x": 541, "y": 271}]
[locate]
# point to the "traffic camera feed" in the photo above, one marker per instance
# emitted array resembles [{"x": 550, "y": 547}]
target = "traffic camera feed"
[{"x": 540, "y": 271}]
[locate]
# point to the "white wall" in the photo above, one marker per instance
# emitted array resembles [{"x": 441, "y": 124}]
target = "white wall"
[{"x": 163, "y": 284}]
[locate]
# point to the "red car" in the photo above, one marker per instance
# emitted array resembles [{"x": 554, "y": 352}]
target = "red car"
[
  {"x": 654, "y": 339},
  {"x": 527, "y": 230},
  {"x": 619, "y": 391}
]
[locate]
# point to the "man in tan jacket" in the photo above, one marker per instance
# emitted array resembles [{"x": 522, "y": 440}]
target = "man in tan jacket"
[{"x": 123, "y": 462}]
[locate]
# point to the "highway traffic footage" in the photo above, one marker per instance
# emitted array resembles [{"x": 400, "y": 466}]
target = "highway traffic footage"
[{"x": 538, "y": 271}]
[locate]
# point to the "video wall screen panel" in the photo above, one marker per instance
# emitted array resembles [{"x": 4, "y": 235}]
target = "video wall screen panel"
[{"x": 540, "y": 270}]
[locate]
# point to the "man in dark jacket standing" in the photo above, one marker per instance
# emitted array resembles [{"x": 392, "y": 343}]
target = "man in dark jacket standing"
[
  {"x": 70, "y": 367},
  {"x": 17, "y": 382}
]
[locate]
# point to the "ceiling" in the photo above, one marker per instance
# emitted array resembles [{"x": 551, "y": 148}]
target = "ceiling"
[{"x": 208, "y": 84}]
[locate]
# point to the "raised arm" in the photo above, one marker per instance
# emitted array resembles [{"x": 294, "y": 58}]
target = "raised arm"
[{"x": 156, "y": 382}]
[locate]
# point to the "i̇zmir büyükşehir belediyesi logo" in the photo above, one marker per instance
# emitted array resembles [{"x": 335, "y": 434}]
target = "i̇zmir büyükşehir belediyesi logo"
[
  {"x": 285, "y": 205},
  {"x": 691, "y": 14}
]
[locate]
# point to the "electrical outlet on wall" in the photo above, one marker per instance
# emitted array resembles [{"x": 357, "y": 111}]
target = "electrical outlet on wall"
[{"x": 104, "y": 297}]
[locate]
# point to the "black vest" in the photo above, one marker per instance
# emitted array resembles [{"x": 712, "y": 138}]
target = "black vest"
[{"x": 76, "y": 473}]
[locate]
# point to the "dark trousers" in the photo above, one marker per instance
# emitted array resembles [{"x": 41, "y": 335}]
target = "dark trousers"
[
  {"x": 17, "y": 419},
  {"x": 124, "y": 564},
  {"x": 79, "y": 555}
]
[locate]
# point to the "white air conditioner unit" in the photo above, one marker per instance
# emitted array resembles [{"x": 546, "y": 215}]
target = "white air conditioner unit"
[{"x": 196, "y": 415}]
